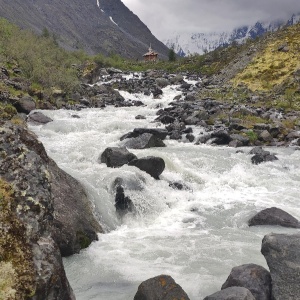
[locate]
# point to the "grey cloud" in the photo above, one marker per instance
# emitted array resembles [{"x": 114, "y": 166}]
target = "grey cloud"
[{"x": 164, "y": 17}]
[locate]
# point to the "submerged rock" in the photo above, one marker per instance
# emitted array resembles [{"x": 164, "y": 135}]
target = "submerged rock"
[
  {"x": 123, "y": 204},
  {"x": 162, "y": 287},
  {"x": 232, "y": 293},
  {"x": 274, "y": 216},
  {"x": 283, "y": 257},
  {"x": 261, "y": 155},
  {"x": 252, "y": 277}
]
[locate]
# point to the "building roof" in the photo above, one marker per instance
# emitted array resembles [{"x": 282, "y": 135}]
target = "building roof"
[{"x": 150, "y": 52}]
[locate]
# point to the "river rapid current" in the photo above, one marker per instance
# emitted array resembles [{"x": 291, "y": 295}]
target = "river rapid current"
[{"x": 195, "y": 235}]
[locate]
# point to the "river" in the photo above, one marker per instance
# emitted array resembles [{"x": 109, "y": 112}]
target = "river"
[{"x": 195, "y": 235}]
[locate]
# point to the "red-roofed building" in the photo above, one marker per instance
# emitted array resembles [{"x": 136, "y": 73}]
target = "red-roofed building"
[{"x": 151, "y": 55}]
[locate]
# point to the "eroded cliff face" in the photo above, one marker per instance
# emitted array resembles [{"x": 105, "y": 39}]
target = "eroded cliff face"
[
  {"x": 106, "y": 27},
  {"x": 44, "y": 213}
]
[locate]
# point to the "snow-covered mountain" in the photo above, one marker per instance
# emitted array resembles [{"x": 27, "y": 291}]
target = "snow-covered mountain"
[{"x": 190, "y": 43}]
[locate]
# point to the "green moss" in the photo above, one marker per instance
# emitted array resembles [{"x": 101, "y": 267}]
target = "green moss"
[
  {"x": 84, "y": 241},
  {"x": 15, "y": 253},
  {"x": 7, "y": 111},
  {"x": 252, "y": 136}
]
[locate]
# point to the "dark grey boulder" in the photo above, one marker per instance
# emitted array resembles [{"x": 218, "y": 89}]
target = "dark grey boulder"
[
  {"x": 162, "y": 82},
  {"x": 162, "y": 287},
  {"x": 232, "y": 293},
  {"x": 74, "y": 224},
  {"x": 25, "y": 105},
  {"x": 165, "y": 119},
  {"x": 221, "y": 137},
  {"x": 178, "y": 185},
  {"x": 38, "y": 118},
  {"x": 261, "y": 155},
  {"x": 158, "y": 132},
  {"x": 252, "y": 277},
  {"x": 144, "y": 141},
  {"x": 154, "y": 166},
  {"x": 274, "y": 216},
  {"x": 283, "y": 258},
  {"x": 115, "y": 157},
  {"x": 240, "y": 138}
]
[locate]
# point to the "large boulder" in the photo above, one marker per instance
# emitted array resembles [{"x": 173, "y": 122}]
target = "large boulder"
[
  {"x": 144, "y": 141},
  {"x": 152, "y": 165},
  {"x": 232, "y": 293},
  {"x": 283, "y": 258},
  {"x": 162, "y": 287},
  {"x": 261, "y": 155},
  {"x": 221, "y": 137},
  {"x": 115, "y": 157},
  {"x": 25, "y": 105},
  {"x": 274, "y": 216},
  {"x": 162, "y": 82},
  {"x": 158, "y": 132},
  {"x": 29, "y": 254},
  {"x": 252, "y": 277},
  {"x": 37, "y": 117}
]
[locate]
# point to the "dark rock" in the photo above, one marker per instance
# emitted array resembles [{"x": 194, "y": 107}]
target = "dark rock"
[
  {"x": 140, "y": 117},
  {"x": 240, "y": 138},
  {"x": 204, "y": 138},
  {"x": 274, "y": 216},
  {"x": 166, "y": 119},
  {"x": 144, "y": 141},
  {"x": 185, "y": 86},
  {"x": 150, "y": 164},
  {"x": 75, "y": 116},
  {"x": 156, "y": 92},
  {"x": 283, "y": 258},
  {"x": 162, "y": 287},
  {"x": 162, "y": 82},
  {"x": 177, "y": 185},
  {"x": 261, "y": 155},
  {"x": 123, "y": 204},
  {"x": 115, "y": 157},
  {"x": 232, "y": 293},
  {"x": 190, "y": 137},
  {"x": 160, "y": 133},
  {"x": 74, "y": 224},
  {"x": 252, "y": 277},
  {"x": 221, "y": 137},
  {"x": 175, "y": 135},
  {"x": 39, "y": 200},
  {"x": 38, "y": 118},
  {"x": 25, "y": 105}
]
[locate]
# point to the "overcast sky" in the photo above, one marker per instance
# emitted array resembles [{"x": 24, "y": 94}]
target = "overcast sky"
[{"x": 164, "y": 17}]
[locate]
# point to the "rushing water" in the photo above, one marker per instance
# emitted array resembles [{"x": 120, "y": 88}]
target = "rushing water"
[{"x": 196, "y": 235}]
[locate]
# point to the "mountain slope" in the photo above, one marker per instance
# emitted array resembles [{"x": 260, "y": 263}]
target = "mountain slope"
[
  {"x": 105, "y": 26},
  {"x": 189, "y": 43}
]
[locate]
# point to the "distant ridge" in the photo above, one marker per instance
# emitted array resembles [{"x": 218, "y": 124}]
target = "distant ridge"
[
  {"x": 97, "y": 26},
  {"x": 185, "y": 44}
]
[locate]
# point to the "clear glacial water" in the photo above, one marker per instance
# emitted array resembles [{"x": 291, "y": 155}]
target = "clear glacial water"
[{"x": 196, "y": 235}]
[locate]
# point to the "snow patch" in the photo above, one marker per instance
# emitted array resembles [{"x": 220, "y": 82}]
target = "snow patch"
[{"x": 113, "y": 21}]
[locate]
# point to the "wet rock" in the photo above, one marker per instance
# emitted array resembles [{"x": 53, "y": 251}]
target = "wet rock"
[
  {"x": 38, "y": 118},
  {"x": 221, "y": 137},
  {"x": 160, "y": 133},
  {"x": 156, "y": 92},
  {"x": 123, "y": 204},
  {"x": 162, "y": 82},
  {"x": 152, "y": 165},
  {"x": 140, "y": 117},
  {"x": 261, "y": 155},
  {"x": 29, "y": 242},
  {"x": 283, "y": 258},
  {"x": 165, "y": 119},
  {"x": 232, "y": 293},
  {"x": 244, "y": 141},
  {"x": 252, "y": 277},
  {"x": 25, "y": 105},
  {"x": 144, "y": 141},
  {"x": 162, "y": 287},
  {"x": 115, "y": 157},
  {"x": 274, "y": 216},
  {"x": 178, "y": 185},
  {"x": 190, "y": 137},
  {"x": 175, "y": 135}
]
